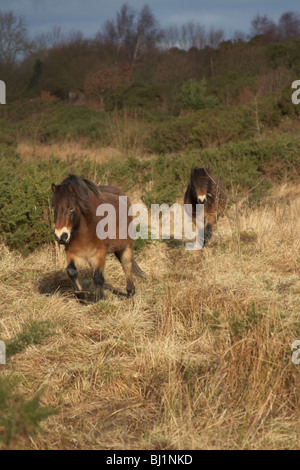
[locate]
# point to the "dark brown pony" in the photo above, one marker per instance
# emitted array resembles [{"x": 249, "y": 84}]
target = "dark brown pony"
[
  {"x": 75, "y": 202},
  {"x": 204, "y": 188}
]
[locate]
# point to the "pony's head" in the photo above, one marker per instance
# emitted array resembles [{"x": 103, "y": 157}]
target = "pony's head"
[
  {"x": 200, "y": 182},
  {"x": 66, "y": 210}
]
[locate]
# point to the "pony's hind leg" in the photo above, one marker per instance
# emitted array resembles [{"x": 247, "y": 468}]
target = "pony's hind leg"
[
  {"x": 125, "y": 258},
  {"x": 73, "y": 275},
  {"x": 99, "y": 284},
  {"x": 98, "y": 270},
  {"x": 210, "y": 220}
]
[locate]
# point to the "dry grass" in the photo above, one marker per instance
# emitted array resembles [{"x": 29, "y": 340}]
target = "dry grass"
[
  {"x": 29, "y": 150},
  {"x": 128, "y": 131},
  {"x": 200, "y": 360}
]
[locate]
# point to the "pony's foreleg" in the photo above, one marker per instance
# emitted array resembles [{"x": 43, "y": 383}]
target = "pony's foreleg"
[
  {"x": 73, "y": 275},
  {"x": 210, "y": 220},
  {"x": 125, "y": 258},
  {"x": 98, "y": 275}
]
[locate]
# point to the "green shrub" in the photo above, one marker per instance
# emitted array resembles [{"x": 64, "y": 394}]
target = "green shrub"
[
  {"x": 130, "y": 173},
  {"x": 193, "y": 95},
  {"x": 285, "y": 105},
  {"x": 202, "y": 129},
  {"x": 241, "y": 325},
  {"x": 34, "y": 333},
  {"x": 47, "y": 121},
  {"x": 72, "y": 122},
  {"x": 135, "y": 96},
  {"x": 229, "y": 87},
  {"x": 284, "y": 54},
  {"x": 170, "y": 175},
  {"x": 7, "y": 132},
  {"x": 19, "y": 417}
]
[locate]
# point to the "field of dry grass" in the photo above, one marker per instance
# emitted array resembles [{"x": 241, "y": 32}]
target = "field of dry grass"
[
  {"x": 29, "y": 150},
  {"x": 200, "y": 360}
]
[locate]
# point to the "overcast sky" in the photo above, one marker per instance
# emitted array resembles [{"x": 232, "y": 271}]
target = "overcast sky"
[{"x": 87, "y": 16}]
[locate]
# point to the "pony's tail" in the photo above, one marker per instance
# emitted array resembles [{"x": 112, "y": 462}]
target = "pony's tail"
[{"x": 137, "y": 270}]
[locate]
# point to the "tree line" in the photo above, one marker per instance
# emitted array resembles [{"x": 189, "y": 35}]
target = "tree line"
[{"x": 132, "y": 49}]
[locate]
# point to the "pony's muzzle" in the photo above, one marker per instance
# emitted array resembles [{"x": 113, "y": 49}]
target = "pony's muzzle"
[
  {"x": 202, "y": 200},
  {"x": 62, "y": 239}
]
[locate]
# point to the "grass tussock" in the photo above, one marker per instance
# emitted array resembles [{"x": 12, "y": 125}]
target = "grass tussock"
[{"x": 200, "y": 360}]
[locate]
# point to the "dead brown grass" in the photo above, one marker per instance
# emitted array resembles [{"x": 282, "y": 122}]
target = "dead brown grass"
[
  {"x": 29, "y": 150},
  {"x": 200, "y": 360}
]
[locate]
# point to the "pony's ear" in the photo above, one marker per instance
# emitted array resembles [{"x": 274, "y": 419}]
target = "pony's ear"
[{"x": 53, "y": 187}]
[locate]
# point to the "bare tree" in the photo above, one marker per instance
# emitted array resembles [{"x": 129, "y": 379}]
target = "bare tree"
[
  {"x": 188, "y": 35},
  {"x": 240, "y": 36},
  {"x": 133, "y": 32},
  {"x": 289, "y": 25},
  {"x": 261, "y": 24},
  {"x": 197, "y": 35},
  {"x": 14, "y": 39},
  {"x": 56, "y": 37},
  {"x": 192, "y": 34},
  {"x": 108, "y": 33},
  {"x": 214, "y": 37},
  {"x": 125, "y": 26},
  {"x": 148, "y": 32},
  {"x": 184, "y": 37},
  {"x": 53, "y": 38},
  {"x": 171, "y": 37}
]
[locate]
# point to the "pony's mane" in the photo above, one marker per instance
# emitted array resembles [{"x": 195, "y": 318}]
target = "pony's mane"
[
  {"x": 201, "y": 171},
  {"x": 81, "y": 190}
]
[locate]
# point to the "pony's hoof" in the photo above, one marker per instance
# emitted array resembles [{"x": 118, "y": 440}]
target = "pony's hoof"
[
  {"x": 100, "y": 297},
  {"x": 79, "y": 295},
  {"x": 131, "y": 293}
]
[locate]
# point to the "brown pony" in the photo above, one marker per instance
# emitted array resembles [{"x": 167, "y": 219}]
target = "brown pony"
[
  {"x": 204, "y": 188},
  {"x": 75, "y": 202}
]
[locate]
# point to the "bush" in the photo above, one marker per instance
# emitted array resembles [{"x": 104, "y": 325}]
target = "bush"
[
  {"x": 72, "y": 122},
  {"x": 134, "y": 97},
  {"x": 128, "y": 174},
  {"x": 202, "y": 129},
  {"x": 34, "y": 333},
  {"x": 193, "y": 95},
  {"x": 19, "y": 417},
  {"x": 47, "y": 121}
]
